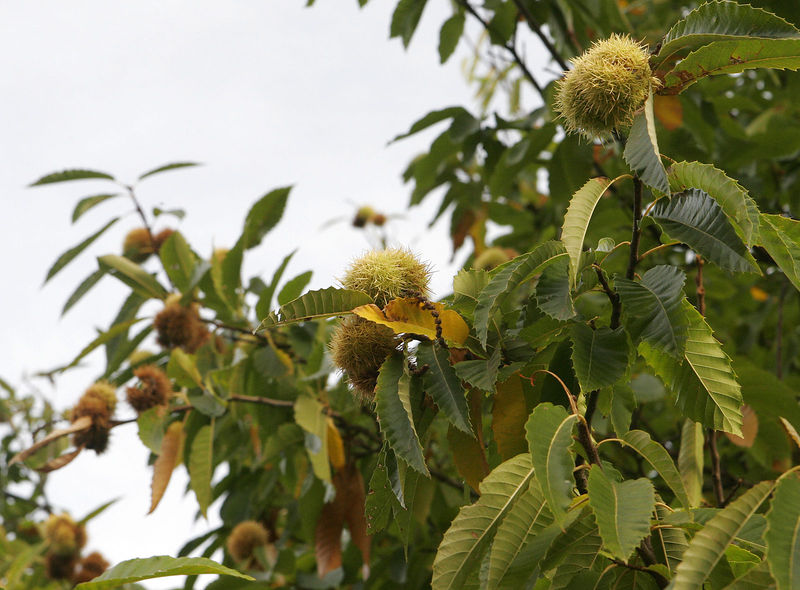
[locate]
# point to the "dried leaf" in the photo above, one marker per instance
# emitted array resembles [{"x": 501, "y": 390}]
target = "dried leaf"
[
  {"x": 668, "y": 111},
  {"x": 407, "y": 316},
  {"x": 350, "y": 486},
  {"x": 335, "y": 446},
  {"x": 749, "y": 428},
  {"x": 790, "y": 430},
  {"x": 81, "y": 424},
  {"x": 60, "y": 461},
  {"x": 171, "y": 450},
  {"x": 469, "y": 456}
]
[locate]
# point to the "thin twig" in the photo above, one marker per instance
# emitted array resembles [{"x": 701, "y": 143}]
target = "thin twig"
[
  {"x": 613, "y": 297},
  {"x": 657, "y": 577},
  {"x": 537, "y": 29},
  {"x": 282, "y": 403},
  {"x": 636, "y": 231},
  {"x": 140, "y": 211},
  {"x": 447, "y": 480},
  {"x": 716, "y": 468},
  {"x": 701, "y": 290}
]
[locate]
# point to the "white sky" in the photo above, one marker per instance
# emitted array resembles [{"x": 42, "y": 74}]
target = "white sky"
[{"x": 265, "y": 94}]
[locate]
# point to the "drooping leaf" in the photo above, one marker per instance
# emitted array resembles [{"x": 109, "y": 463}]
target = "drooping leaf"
[
  {"x": 409, "y": 316},
  {"x": 480, "y": 373},
  {"x": 310, "y": 415},
  {"x": 178, "y": 260},
  {"x": 381, "y": 498},
  {"x": 405, "y": 19},
  {"x": 83, "y": 289},
  {"x": 622, "y": 511},
  {"x": 70, "y": 254},
  {"x": 322, "y": 303},
  {"x": 652, "y": 309},
  {"x": 509, "y": 414},
  {"x": 734, "y": 200},
  {"x": 449, "y": 35},
  {"x": 393, "y": 406},
  {"x": 201, "y": 465},
  {"x": 160, "y": 566},
  {"x": 88, "y": 203},
  {"x": 780, "y": 237},
  {"x": 263, "y": 216},
  {"x": 641, "y": 149},
  {"x": 576, "y": 220},
  {"x": 75, "y": 174},
  {"x": 132, "y": 275},
  {"x": 600, "y": 357},
  {"x": 469, "y": 455},
  {"x": 708, "y": 545},
  {"x": 471, "y": 532},
  {"x": 328, "y": 536},
  {"x": 732, "y": 57},
  {"x": 553, "y": 292},
  {"x": 508, "y": 277},
  {"x": 443, "y": 385},
  {"x": 168, "y": 458},
  {"x": 167, "y": 167},
  {"x": 690, "y": 461},
  {"x": 705, "y": 383},
  {"x": 783, "y": 533},
  {"x": 350, "y": 486},
  {"x": 549, "y": 434},
  {"x": 696, "y": 219}
]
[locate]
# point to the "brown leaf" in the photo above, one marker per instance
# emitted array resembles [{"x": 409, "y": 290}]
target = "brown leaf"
[
  {"x": 508, "y": 418},
  {"x": 469, "y": 456},
  {"x": 669, "y": 111},
  {"x": 171, "y": 450},
  {"x": 328, "y": 537},
  {"x": 60, "y": 461},
  {"x": 790, "y": 430},
  {"x": 749, "y": 428},
  {"x": 81, "y": 424},
  {"x": 350, "y": 485}
]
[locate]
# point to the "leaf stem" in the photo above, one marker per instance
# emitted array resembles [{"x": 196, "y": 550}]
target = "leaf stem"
[{"x": 636, "y": 230}]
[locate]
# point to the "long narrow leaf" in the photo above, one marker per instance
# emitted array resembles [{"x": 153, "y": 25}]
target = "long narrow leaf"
[
  {"x": 70, "y": 254},
  {"x": 443, "y": 385},
  {"x": 659, "y": 459},
  {"x": 316, "y": 305},
  {"x": 136, "y": 570},
  {"x": 641, "y": 150},
  {"x": 783, "y": 533}
]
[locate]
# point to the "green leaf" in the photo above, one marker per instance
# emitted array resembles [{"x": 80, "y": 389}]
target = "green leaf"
[
  {"x": 263, "y": 216},
  {"x": 600, "y": 357},
  {"x": 669, "y": 543},
  {"x": 480, "y": 373},
  {"x": 622, "y": 510},
  {"x": 67, "y": 175},
  {"x": 293, "y": 288},
  {"x": 549, "y": 434},
  {"x": 780, "y": 237},
  {"x": 756, "y": 578},
  {"x": 70, "y": 254},
  {"x": 381, "y": 498},
  {"x": 201, "y": 466},
  {"x": 660, "y": 460},
  {"x": 323, "y": 303},
  {"x": 102, "y": 338},
  {"x": 523, "y": 536},
  {"x": 449, "y": 35},
  {"x": 641, "y": 150},
  {"x": 732, "y": 57},
  {"x": 431, "y": 119},
  {"x": 690, "y": 461},
  {"x": 443, "y": 385},
  {"x": 405, "y": 19},
  {"x": 132, "y": 275},
  {"x": 265, "y": 297},
  {"x": 696, "y": 219},
  {"x": 83, "y": 289},
  {"x": 708, "y": 545},
  {"x": 393, "y": 406},
  {"x": 160, "y": 566},
  {"x": 574, "y": 552},
  {"x": 179, "y": 261},
  {"x": 783, "y": 533},
  {"x": 88, "y": 203},
  {"x": 722, "y": 21},
  {"x": 623, "y": 403},
  {"x": 576, "y": 220},
  {"x": 152, "y": 424},
  {"x": 310, "y": 415},
  {"x": 98, "y": 511},
  {"x": 465, "y": 542},
  {"x": 507, "y": 277},
  {"x": 705, "y": 383},
  {"x": 167, "y": 167},
  {"x": 652, "y": 309},
  {"x": 737, "y": 204},
  {"x": 552, "y": 291}
]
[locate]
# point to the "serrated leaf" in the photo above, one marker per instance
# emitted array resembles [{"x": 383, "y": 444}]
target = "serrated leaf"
[
  {"x": 507, "y": 277},
  {"x": 622, "y": 511},
  {"x": 410, "y": 316},
  {"x": 549, "y": 434},
  {"x": 576, "y": 220},
  {"x": 263, "y": 216},
  {"x": 449, "y": 35},
  {"x": 574, "y": 551},
  {"x": 783, "y": 533},
  {"x": 696, "y": 219},
  {"x": 201, "y": 465},
  {"x": 74, "y": 174},
  {"x": 690, "y": 461},
  {"x": 709, "y": 544},
  {"x": 70, "y": 254},
  {"x": 660, "y": 460},
  {"x": 323, "y": 303},
  {"x": 88, "y": 203},
  {"x": 756, "y": 578},
  {"x": 722, "y": 21},
  {"x": 600, "y": 357},
  {"x": 480, "y": 373},
  {"x": 669, "y": 543},
  {"x": 443, "y": 385},
  {"x": 641, "y": 149},
  {"x": 405, "y": 19},
  {"x": 780, "y": 237},
  {"x": 83, "y": 289},
  {"x": 732, "y": 57},
  {"x": 393, "y": 406},
  {"x": 381, "y": 498},
  {"x": 167, "y": 167},
  {"x": 168, "y": 458},
  {"x": 705, "y": 383},
  {"x": 734, "y": 200},
  {"x": 553, "y": 295},
  {"x": 160, "y": 566},
  {"x": 468, "y": 537},
  {"x": 178, "y": 260},
  {"x": 652, "y": 309},
  {"x": 309, "y": 414},
  {"x": 132, "y": 275}
]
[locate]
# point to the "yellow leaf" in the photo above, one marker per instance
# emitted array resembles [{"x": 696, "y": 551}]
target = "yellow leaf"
[
  {"x": 408, "y": 316},
  {"x": 508, "y": 418},
  {"x": 468, "y": 452},
  {"x": 171, "y": 449},
  {"x": 758, "y": 294},
  {"x": 749, "y": 428},
  {"x": 669, "y": 111},
  {"x": 335, "y": 446}
]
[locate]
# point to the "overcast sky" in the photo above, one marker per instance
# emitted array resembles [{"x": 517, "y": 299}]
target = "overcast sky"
[{"x": 265, "y": 94}]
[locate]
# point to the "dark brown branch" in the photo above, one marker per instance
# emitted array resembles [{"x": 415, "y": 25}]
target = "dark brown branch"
[
  {"x": 658, "y": 578},
  {"x": 716, "y": 468},
  {"x": 701, "y": 290},
  {"x": 537, "y": 29},
  {"x": 636, "y": 230},
  {"x": 449, "y": 481},
  {"x": 140, "y": 211},
  {"x": 613, "y": 297}
]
